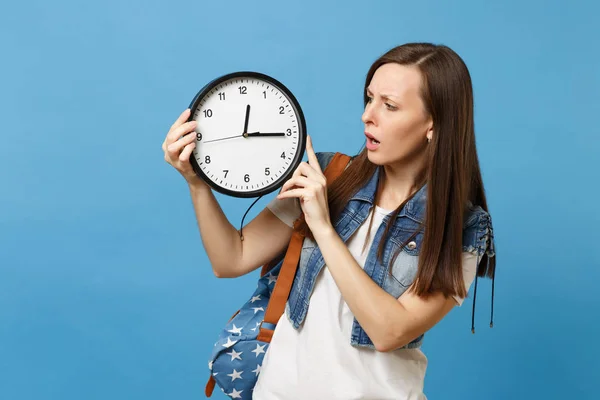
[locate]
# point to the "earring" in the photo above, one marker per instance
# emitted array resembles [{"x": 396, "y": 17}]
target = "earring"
[{"x": 428, "y": 140}]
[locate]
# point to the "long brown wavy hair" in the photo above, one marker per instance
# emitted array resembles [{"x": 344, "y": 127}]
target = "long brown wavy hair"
[{"x": 452, "y": 171}]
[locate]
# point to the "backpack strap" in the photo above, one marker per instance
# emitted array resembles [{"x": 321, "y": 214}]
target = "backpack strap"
[{"x": 284, "y": 282}]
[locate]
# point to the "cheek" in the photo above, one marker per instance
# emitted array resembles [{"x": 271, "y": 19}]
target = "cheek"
[{"x": 405, "y": 129}]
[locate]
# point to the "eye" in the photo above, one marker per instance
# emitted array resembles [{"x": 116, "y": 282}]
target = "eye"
[{"x": 390, "y": 107}]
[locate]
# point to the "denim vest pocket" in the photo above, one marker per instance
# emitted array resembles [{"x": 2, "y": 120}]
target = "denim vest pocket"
[
  {"x": 401, "y": 274},
  {"x": 404, "y": 270}
]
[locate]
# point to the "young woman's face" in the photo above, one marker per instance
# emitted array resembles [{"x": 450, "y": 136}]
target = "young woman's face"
[{"x": 395, "y": 116}]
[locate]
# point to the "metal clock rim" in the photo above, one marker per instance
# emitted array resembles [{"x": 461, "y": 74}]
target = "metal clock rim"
[{"x": 301, "y": 139}]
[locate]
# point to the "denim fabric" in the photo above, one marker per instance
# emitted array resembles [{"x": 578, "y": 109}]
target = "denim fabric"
[{"x": 476, "y": 239}]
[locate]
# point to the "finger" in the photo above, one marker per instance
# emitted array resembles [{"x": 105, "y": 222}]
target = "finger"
[
  {"x": 187, "y": 151},
  {"x": 305, "y": 169},
  {"x": 300, "y": 181},
  {"x": 181, "y": 119},
  {"x": 180, "y": 131},
  {"x": 312, "y": 157},
  {"x": 175, "y": 147},
  {"x": 292, "y": 193},
  {"x": 299, "y": 170}
]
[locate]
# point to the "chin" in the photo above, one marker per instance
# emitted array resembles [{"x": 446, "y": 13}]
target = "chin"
[{"x": 375, "y": 157}]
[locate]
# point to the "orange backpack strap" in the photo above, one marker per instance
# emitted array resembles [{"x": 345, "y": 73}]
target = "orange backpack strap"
[
  {"x": 210, "y": 386},
  {"x": 284, "y": 282}
]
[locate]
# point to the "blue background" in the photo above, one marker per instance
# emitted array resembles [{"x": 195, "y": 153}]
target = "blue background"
[{"x": 105, "y": 289}]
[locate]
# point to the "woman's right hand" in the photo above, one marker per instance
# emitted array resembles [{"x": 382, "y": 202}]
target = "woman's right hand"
[{"x": 178, "y": 146}]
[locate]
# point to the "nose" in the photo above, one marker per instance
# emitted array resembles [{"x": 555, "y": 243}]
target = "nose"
[{"x": 367, "y": 116}]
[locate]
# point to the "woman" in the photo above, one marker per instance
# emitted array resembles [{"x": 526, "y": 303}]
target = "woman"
[{"x": 388, "y": 271}]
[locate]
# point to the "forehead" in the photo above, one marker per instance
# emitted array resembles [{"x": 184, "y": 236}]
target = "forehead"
[{"x": 397, "y": 80}]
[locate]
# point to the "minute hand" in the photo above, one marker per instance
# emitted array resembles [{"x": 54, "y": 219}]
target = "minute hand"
[{"x": 260, "y": 134}]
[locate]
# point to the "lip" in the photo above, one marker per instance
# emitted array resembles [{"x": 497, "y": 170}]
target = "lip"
[{"x": 367, "y": 134}]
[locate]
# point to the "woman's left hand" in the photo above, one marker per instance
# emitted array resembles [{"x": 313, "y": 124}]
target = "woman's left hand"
[{"x": 309, "y": 185}]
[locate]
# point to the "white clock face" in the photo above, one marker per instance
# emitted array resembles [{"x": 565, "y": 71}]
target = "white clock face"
[{"x": 250, "y": 135}]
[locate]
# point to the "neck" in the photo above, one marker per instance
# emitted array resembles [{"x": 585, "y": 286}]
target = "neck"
[{"x": 399, "y": 180}]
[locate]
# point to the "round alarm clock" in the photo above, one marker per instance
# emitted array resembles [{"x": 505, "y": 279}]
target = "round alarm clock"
[{"x": 250, "y": 134}]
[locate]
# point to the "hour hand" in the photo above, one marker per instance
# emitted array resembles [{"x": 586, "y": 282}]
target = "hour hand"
[
  {"x": 246, "y": 121},
  {"x": 264, "y": 134}
]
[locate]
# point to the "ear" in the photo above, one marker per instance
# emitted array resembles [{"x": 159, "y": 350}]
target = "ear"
[{"x": 430, "y": 133}]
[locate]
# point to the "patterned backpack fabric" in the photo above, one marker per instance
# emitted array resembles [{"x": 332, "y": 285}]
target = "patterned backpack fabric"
[{"x": 237, "y": 356}]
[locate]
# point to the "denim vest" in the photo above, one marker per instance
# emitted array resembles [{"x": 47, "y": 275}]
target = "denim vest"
[{"x": 404, "y": 270}]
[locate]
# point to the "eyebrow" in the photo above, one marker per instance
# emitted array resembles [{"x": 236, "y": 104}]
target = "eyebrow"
[{"x": 385, "y": 96}]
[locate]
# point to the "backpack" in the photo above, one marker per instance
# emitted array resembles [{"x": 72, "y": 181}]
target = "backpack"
[{"x": 237, "y": 356}]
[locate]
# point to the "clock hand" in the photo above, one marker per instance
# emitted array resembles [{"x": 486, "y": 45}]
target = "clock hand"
[
  {"x": 247, "y": 115},
  {"x": 230, "y": 137},
  {"x": 260, "y": 134}
]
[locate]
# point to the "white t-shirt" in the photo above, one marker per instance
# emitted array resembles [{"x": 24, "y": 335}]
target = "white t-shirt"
[{"x": 318, "y": 362}]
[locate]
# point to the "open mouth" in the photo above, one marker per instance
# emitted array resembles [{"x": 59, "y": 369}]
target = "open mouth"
[
  {"x": 372, "y": 143},
  {"x": 370, "y": 138}
]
